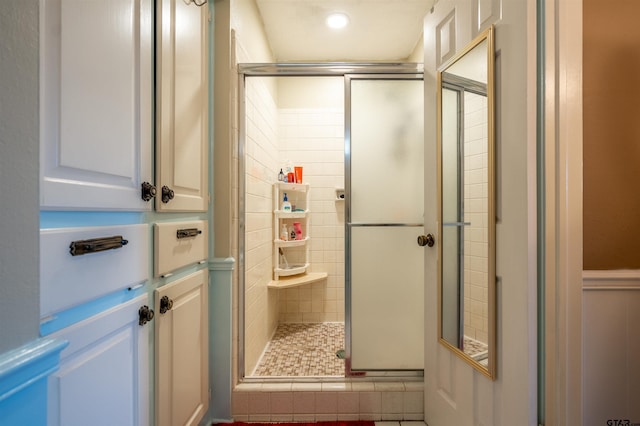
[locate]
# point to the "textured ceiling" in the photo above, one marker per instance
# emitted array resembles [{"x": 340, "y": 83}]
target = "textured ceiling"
[{"x": 379, "y": 30}]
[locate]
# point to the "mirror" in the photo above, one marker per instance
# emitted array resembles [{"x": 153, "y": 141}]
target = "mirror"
[{"x": 466, "y": 215}]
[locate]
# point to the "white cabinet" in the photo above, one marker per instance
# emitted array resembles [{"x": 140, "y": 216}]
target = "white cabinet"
[
  {"x": 178, "y": 244},
  {"x": 96, "y": 103},
  {"x": 103, "y": 375},
  {"x": 182, "y": 350},
  {"x": 71, "y": 279},
  {"x": 181, "y": 106}
]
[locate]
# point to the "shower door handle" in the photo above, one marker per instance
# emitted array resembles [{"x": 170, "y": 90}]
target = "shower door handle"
[{"x": 426, "y": 240}]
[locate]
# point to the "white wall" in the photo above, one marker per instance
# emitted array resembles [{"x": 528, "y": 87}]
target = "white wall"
[
  {"x": 418, "y": 53},
  {"x": 247, "y": 24},
  {"x": 19, "y": 163},
  {"x": 476, "y": 289},
  {"x": 311, "y": 127},
  {"x": 239, "y": 38},
  {"x": 311, "y": 93},
  {"x": 261, "y": 161}
]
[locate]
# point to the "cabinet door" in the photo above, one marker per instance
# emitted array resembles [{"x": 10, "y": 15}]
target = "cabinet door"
[
  {"x": 103, "y": 376},
  {"x": 96, "y": 103},
  {"x": 182, "y": 395},
  {"x": 181, "y": 106}
]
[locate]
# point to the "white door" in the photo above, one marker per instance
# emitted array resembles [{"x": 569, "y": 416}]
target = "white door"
[
  {"x": 384, "y": 219},
  {"x": 182, "y": 361},
  {"x": 455, "y": 393},
  {"x": 181, "y": 106},
  {"x": 103, "y": 377},
  {"x": 96, "y": 94}
]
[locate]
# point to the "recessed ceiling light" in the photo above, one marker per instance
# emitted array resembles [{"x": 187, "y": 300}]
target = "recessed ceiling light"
[{"x": 337, "y": 20}]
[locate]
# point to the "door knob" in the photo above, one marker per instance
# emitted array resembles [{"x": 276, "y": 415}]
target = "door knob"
[{"x": 426, "y": 240}]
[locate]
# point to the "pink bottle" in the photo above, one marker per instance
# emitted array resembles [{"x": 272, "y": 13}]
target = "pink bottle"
[{"x": 298, "y": 230}]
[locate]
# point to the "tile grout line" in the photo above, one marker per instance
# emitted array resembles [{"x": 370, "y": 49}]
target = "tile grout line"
[{"x": 303, "y": 349}]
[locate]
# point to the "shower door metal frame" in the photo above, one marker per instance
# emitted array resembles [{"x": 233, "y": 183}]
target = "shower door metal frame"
[
  {"x": 459, "y": 223},
  {"x": 335, "y": 69}
]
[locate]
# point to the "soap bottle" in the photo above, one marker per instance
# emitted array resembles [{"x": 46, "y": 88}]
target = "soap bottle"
[
  {"x": 284, "y": 234},
  {"x": 281, "y": 176},
  {"x": 286, "y": 205},
  {"x": 297, "y": 228}
]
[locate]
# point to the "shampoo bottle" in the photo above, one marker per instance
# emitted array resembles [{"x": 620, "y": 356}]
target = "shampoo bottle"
[
  {"x": 286, "y": 205},
  {"x": 297, "y": 228},
  {"x": 284, "y": 234}
]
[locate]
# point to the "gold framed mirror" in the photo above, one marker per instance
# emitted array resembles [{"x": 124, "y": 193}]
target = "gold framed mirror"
[{"x": 466, "y": 208}]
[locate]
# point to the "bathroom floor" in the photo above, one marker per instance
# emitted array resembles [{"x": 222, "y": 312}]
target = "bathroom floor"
[{"x": 307, "y": 349}]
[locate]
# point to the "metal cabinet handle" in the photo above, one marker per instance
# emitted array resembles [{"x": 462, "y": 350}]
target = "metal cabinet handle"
[
  {"x": 148, "y": 191},
  {"x": 94, "y": 245},
  {"x": 145, "y": 314},
  {"x": 186, "y": 233},
  {"x": 165, "y": 304},
  {"x": 167, "y": 194}
]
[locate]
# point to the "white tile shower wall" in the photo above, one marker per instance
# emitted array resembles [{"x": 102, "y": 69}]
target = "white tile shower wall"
[
  {"x": 261, "y": 149},
  {"x": 475, "y": 212},
  {"x": 314, "y": 139}
]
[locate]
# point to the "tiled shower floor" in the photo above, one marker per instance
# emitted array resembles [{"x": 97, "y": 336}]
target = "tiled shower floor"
[
  {"x": 476, "y": 350},
  {"x": 307, "y": 349}
]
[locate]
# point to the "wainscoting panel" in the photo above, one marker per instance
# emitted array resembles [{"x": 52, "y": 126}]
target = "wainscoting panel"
[{"x": 611, "y": 344}]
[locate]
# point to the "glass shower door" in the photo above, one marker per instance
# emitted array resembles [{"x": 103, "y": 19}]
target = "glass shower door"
[{"x": 384, "y": 215}]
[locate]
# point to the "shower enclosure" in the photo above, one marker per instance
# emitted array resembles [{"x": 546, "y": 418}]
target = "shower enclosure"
[{"x": 360, "y": 142}]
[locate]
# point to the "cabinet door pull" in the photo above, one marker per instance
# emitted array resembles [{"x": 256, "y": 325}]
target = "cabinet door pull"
[
  {"x": 145, "y": 314},
  {"x": 167, "y": 194},
  {"x": 148, "y": 191},
  {"x": 165, "y": 304},
  {"x": 80, "y": 247},
  {"x": 186, "y": 233}
]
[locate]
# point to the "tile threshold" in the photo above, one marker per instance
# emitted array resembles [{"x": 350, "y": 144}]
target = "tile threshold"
[{"x": 332, "y": 386}]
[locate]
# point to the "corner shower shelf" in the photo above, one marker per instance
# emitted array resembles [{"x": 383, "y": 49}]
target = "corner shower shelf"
[
  {"x": 298, "y": 280},
  {"x": 291, "y": 270},
  {"x": 294, "y": 243},
  {"x": 299, "y": 187},
  {"x": 291, "y": 215},
  {"x": 297, "y": 250}
]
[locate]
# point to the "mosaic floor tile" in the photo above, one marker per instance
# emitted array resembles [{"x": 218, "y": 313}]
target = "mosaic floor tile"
[
  {"x": 474, "y": 348},
  {"x": 304, "y": 350}
]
